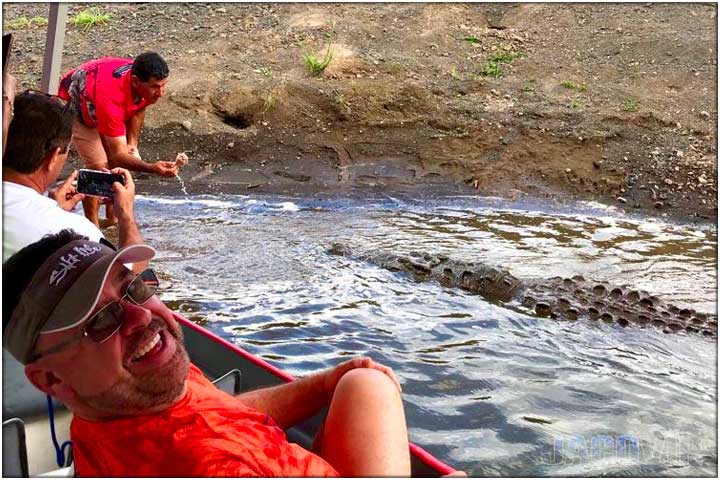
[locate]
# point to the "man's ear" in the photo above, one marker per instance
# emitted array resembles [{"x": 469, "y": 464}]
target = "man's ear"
[
  {"x": 47, "y": 381},
  {"x": 51, "y": 159},
  {"x": 134, "y": 81}
]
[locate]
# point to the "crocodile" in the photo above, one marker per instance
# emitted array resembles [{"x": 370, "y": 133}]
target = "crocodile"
[{"x": 569, "y": 298}]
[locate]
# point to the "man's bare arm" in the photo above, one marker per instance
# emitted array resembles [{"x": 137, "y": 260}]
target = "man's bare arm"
[
  {"x": 133, "y": 127},
  {"x": 118, "y": 156},
  {"x": 124, "y": 207},
  {"x": 289, "y": 403},
  {"x": 293, "y": 402}
]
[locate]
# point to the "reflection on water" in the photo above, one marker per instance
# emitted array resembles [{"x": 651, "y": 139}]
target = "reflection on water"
[{"x": 490, "y": 390}]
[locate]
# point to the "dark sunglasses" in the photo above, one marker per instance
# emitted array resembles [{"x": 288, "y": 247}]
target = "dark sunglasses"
[{"x": 108, "y": 320}]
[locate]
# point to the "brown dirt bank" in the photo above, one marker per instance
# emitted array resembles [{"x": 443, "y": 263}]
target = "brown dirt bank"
[{"x": 609, "y": 102}]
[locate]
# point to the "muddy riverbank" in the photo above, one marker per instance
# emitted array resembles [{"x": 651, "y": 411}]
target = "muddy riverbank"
[{"x": 608, "y": 102}]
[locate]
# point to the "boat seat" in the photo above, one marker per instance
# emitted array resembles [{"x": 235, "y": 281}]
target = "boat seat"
[
  {"x": 65, "y": 472},
  {"x": 14, "y": 456},
  {"x": 27, "y": 405},
  {"x": 230, "y": 383}
]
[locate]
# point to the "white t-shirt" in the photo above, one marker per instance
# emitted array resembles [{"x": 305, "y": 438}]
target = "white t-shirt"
[{"x": 29, "y": 216}]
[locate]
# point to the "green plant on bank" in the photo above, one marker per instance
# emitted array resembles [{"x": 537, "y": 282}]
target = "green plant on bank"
[
  {"x": 317, "y": 66},
  {"x": 331, "y": 34},
  {"x": 472, "y": 39},
  {"x": 454, "y": 73},
  {"x": 578, "y": 87},
  {"x": 506, "y": 57},
  {"x": 23, "y": 22},
  {"x": 87, "y": 19},
  {"x": 574, "y": 104},
  {"x": 630, "y": 105},
  {"x": 268, "y": 103},
  {"x": 342, "y": 102},
  {"x": 491, "y": 68},
  {"x": 264, "y": 71}
]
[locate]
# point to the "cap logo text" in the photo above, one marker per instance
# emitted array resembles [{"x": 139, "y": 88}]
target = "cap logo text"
[{"x": 70, "y": 261}]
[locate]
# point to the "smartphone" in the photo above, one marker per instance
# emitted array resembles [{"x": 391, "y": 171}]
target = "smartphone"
[
  {"x": 7, "y": 44},
  {"x": 97, "y": 183}
]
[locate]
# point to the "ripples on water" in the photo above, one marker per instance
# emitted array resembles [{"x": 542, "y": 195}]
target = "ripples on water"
[{"x": 487, "y": 389}]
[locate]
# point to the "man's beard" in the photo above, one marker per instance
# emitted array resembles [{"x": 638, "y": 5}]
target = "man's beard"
[{"x": 161, "y": 387}]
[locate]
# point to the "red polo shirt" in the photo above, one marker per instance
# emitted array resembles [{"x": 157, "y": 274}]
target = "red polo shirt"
[{"x": 104, "y": 94}]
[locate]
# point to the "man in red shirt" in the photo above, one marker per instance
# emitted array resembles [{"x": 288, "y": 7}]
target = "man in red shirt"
[
  {"x": 109, "y": 96},
  {"x": 94, "y": 336}
]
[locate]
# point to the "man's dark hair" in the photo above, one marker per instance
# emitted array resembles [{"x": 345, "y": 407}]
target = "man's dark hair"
[
  {"x": 19, "y": 269},
  {"x": 41, "y": 124},
  {"x": 150, "y": 65}
]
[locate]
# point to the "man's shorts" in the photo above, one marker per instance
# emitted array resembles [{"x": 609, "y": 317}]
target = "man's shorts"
[{"x": 89, "y": 146}]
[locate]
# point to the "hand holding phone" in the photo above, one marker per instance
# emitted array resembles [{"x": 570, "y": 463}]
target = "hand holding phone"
[
  {"x": 97, "y": 183},
  {"x": 124, "y": 200},
  {"x": 66, "y": 194}
]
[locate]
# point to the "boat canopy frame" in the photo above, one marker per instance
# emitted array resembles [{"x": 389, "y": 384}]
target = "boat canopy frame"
[{"x": 54, "y": 41}]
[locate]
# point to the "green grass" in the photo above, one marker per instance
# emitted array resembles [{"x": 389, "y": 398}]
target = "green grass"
[
  {"x": 630, "y": 105},
  {"x": 315, "y": 64},
  {"x": 454, "y": 73},
  {"x": 578, "y": 87},
  {"x": 331, "y": 34},
  {"x": 342, "y": 102},
  {"x": 87, "y": 19},
  {"x": 491, "y": 68},
  {"x": 264, "y": 71},
  {"x": 472, "y": 39},
  {"x": 268, "y": 103},
  {"x": 23, "y": 22},
  {"x": 506, "y": 57},
  {"x": 529, "y": 86},
  {"x": 574, "y": 104}
]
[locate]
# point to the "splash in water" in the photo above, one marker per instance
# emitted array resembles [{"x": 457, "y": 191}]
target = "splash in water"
[
  {"x": 182, "y": 184},
  {"x": 181, "y": 160}
]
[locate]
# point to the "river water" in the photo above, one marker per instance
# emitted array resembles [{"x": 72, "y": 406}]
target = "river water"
[{"x": 487, "y": 389}]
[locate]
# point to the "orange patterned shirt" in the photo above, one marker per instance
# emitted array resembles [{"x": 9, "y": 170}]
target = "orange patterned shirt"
[{"x": 208, "y": 433}]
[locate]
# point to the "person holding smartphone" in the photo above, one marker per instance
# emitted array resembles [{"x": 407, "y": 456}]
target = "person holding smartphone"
[
  {"x": 38, "y": 142},
  {"x": 109, "y": 97}
]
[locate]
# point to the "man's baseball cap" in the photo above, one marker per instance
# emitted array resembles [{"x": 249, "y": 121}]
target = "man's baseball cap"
[{"x": 64, "y": 291}]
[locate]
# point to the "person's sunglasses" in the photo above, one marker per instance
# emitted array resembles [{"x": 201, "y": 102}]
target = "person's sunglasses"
[{"x": 108, "y": 320}]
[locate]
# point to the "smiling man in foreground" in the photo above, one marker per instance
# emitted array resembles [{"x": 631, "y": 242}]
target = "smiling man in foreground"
[{"x": 95, "y": 336}]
